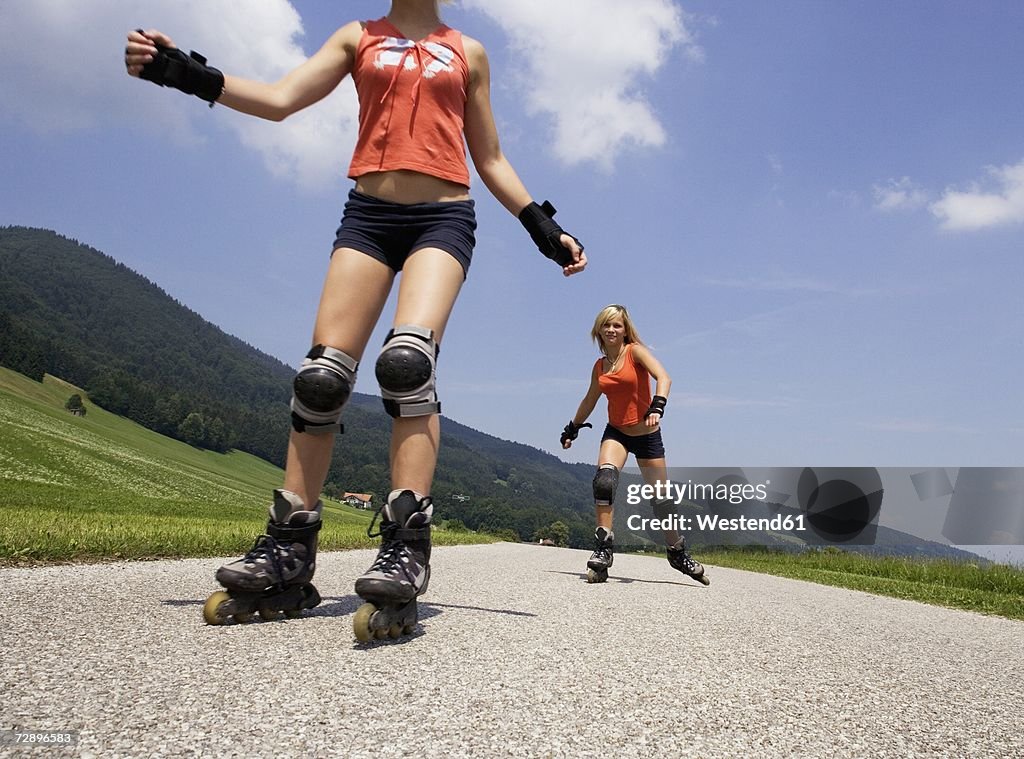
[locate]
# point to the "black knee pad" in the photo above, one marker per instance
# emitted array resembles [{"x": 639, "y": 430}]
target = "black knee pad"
[
  {"x": 606, "y": 481},
  {"x": 406, "y": 372},
  {"x": 321, "y": 388}
]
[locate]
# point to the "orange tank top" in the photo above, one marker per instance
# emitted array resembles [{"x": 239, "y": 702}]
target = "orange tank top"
[
  {"x": 412, "y": 103},
  {"x": 628, "y": 391}
]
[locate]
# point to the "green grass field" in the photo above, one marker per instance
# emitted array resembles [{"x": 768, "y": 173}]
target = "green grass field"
[
  {"x": 100, "y": 487},
  {"x": 986, "y": 588}
]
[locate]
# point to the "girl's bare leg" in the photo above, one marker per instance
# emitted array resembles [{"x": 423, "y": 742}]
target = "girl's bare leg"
[
  {"x": 431, "y": 280},
  {"x": 655, "y": 471},
  {"x": 354, "y": 294}
]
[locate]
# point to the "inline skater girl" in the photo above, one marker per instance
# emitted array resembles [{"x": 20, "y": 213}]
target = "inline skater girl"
[
  {"x": 423, "y": 87},
  {"x": 623, "y": 374}
]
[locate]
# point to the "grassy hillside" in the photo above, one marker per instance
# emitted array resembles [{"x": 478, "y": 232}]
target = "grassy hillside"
[
  {"x": 99, "y": 487},
  {"x": 71, "y": 311}
]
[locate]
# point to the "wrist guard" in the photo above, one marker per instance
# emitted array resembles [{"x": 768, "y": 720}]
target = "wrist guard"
[
  {"x": 170, "y": 67},
  {"x": 540, "y": 223},
  {"x": 572, "y": 431},
  {"x": 657, "y": 406}
]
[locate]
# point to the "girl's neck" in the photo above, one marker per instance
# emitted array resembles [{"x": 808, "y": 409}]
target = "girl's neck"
[
  {"x": 613, "y": 355},
  {"x": 414, "y": 13}
]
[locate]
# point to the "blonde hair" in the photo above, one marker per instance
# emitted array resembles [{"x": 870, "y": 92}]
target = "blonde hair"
[{"x": 614, "y": 311}]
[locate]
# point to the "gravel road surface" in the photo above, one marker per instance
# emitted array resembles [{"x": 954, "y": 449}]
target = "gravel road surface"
[{"x": 516, "y": 655}]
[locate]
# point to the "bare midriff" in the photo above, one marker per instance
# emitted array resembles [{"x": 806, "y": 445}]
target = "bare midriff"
[{"x": 405, "y": 187}]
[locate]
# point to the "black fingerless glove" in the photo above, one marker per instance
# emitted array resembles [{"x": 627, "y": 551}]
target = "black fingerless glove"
[
  {"x": 540, "y": 223},
  {"x": 170, "y": 67},
  {"x": 572, "y": 431},
  {"x": 657, "y": 406}
]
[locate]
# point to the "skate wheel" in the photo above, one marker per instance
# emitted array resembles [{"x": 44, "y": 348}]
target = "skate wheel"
[
  {"x": 408, "y": 629},
  {"x": 293, "y": 613},
  {"x": 243, "y": 617},
  {"x": 394, "y": 631},
  {"x": 269, "y": 615},
  {"x": 212, "y": 608},
  {"x": 361, "y": 623},
  {"x": 704, "y": 579},
  {"x": 594, "y": 576}
]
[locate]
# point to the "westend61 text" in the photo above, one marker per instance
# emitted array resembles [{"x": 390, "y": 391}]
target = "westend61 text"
[
  {"x": 697, "y": 491},
  {"x": 709, "y": 522}
]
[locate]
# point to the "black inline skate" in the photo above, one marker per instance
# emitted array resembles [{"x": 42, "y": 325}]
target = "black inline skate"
[
  {"x": 274, "y": 576},
  {"x": 680, "y": 559},
  {"x": 601, "y": 559},
  {"x": 401, "y": 570}
]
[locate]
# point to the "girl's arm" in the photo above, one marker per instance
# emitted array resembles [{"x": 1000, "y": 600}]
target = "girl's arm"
[
  {"x": 589, "y": 400},
  {"x": 585, "y": 409},
  {"x": 663, "y": 383},
  {"x": 303, "y": 86},
  {"x": 484, "y": 148}
]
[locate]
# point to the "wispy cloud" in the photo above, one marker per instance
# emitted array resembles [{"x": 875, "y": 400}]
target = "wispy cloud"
[
  {"x": 772, "y": 284},
  {"x": 925, "y": 426},
  {"x": 525, "y": 387},
  {"x": 899, "y": 195},
  {"x": 797, "y": 284},
  {"x": 849, "y": 198},
  {"x": 84, "y": 85},
  {"x": 575, "y": 68},
  {"x": 698, "y": 401},
  {"x": 979, "y": 209}
]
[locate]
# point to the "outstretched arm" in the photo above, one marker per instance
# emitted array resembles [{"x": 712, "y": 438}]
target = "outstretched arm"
[
  {"x": 484, "y": 148},
  {"x": 301, "y": 87}
]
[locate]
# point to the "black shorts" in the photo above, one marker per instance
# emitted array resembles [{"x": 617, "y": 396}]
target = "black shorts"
[
  {"x": 647, "y": 446},
  {"x": 391, "y": 232}
]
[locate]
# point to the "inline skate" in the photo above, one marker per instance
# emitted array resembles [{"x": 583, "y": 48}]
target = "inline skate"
[
  {"x": 680, "y": 559},
  {"x": 601, "y": 559},
  {"x": 401, "y": 571},
  {"x": 274, "y": 576}
]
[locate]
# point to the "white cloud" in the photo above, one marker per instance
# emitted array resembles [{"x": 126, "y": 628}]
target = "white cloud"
[
  {"x": 64, "y": 71},
  {"x": 583, "y": 65},
  {"x": 978, "y": 209},
  {"x": 899, "y": 195}
]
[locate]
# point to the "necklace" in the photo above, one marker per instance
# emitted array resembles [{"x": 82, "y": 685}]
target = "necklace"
[{"x": 612, "y": 362}]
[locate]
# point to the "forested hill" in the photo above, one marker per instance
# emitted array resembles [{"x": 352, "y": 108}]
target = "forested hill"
[{"x": 71, "y": 311}]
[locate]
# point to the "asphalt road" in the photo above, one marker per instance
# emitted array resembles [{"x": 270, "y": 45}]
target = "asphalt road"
[{"x": 515, "y": 656}]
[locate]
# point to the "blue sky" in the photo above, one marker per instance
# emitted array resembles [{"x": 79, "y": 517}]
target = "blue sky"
[{"x": 814, "y": 210}]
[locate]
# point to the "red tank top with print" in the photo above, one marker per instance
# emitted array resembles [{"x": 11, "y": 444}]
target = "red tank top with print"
[
  {"x": 628, "y": 390},
  {"x": 412, "y": 102}
]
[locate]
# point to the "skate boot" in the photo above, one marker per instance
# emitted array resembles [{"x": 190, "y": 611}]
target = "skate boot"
[
  {"x": 401, "y": 570},
  {"x": 274, "y": 576},
  {"x": 680, "y": 559},
  {"x": 602, "y": 557}
]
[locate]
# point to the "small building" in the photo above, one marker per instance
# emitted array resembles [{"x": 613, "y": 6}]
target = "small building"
[{"x": 358, "y": 500}]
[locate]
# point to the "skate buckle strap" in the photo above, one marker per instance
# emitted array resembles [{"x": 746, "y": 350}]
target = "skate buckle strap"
[
  {"x": 294, "y": 534},
  {"x": 409, "y": 533}
]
